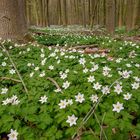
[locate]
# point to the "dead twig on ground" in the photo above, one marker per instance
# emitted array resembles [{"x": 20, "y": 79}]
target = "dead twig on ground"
[{"x": 8, "y": 78}]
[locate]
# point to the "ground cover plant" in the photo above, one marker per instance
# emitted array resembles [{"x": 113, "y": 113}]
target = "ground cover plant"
[{"x": 58, "y": 93}]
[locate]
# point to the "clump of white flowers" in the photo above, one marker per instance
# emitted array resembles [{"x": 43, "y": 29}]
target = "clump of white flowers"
[
  {"x": 63, "y": 75},
  {"x": 13, "y": 101},
  {"x": 125, "y": 74},
  {"x": 42, "y": 74},
  {"x": 94, "y": 67},
  {"x": 106, "y": 71}
]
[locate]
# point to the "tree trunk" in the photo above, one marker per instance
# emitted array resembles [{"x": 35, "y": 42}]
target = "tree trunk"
[
  {"x": 110, "y": 15},
  {"x": 59, "y": 12},
  {"x": 120, "y": 19},
  {"x": 129, "y": 16},
  {"x": 23, "y": 25},
  {"x": 12, "y": 20},
  {"x": 84, "y": 14},
  {"x": 64, "y": 13},
  {"x": 137, "y": 16}
]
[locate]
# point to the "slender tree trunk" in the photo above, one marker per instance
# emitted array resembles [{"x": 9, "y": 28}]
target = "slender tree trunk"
[
  {"x": 104, "y": 11},
  {"x": 12, "y": 20},
  {"x": 93, "y": 15},
  {"x": 64, "y": 13},
  {"x": 110, "y": 15},
  {"x": 120, "y": 20},
  {"x": 84, "y": 14},
  {"x": 59, "y": 12},
  {"x": 137, "y": 15},
  {"x": 129, "y": 16}
]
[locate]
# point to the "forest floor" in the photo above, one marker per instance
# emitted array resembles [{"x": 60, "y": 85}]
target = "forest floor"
[
  {"x": 70, "y": 85},
  {"x": 122, "y": 34}
]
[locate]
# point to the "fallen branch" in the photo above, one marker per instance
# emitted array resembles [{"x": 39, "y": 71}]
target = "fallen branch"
[
  {"x": 96, "y": 50},
  {"x": 8, "y": 78},
  {"x": 54, "y": 82},
  {"x": 84, "y": 46}
]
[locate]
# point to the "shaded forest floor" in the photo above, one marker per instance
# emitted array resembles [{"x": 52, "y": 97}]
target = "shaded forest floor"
[{"x": 70, "y": 85}]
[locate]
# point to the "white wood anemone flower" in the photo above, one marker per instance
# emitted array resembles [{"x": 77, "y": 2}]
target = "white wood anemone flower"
[
  {"x": 43, "y": 99},
  {"x": 135, "y": 85},
  {"x": 13, "y": 135},
  {"x": 118, "y": 107},
  {"x": 127, "y": 96},
  {"x": 94, "y": 98},
  {"x": 66, "y": 85},
  {"x": 79, "y": 98},
  {"x": 3, "y": 64},
  {"x": 12, "y": 71},
  {"x": 91, "y": 79},
  {"x": 118, "y": 89},
  {"x": 72, "y": 120},
  {"x": 82, "y": 61},
  {"x": 97, "y": 86},
  {"x": 63, "y": 104},
  {"x": 105, "y": 90},
  {"x": 4, "y": 90}
]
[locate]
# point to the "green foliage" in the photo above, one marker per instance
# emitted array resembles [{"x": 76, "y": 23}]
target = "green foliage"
[{"x": 34, "y": 120}]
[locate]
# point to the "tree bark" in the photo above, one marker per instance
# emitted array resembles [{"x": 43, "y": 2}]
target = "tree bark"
[{"x": 12, "y": 19}]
